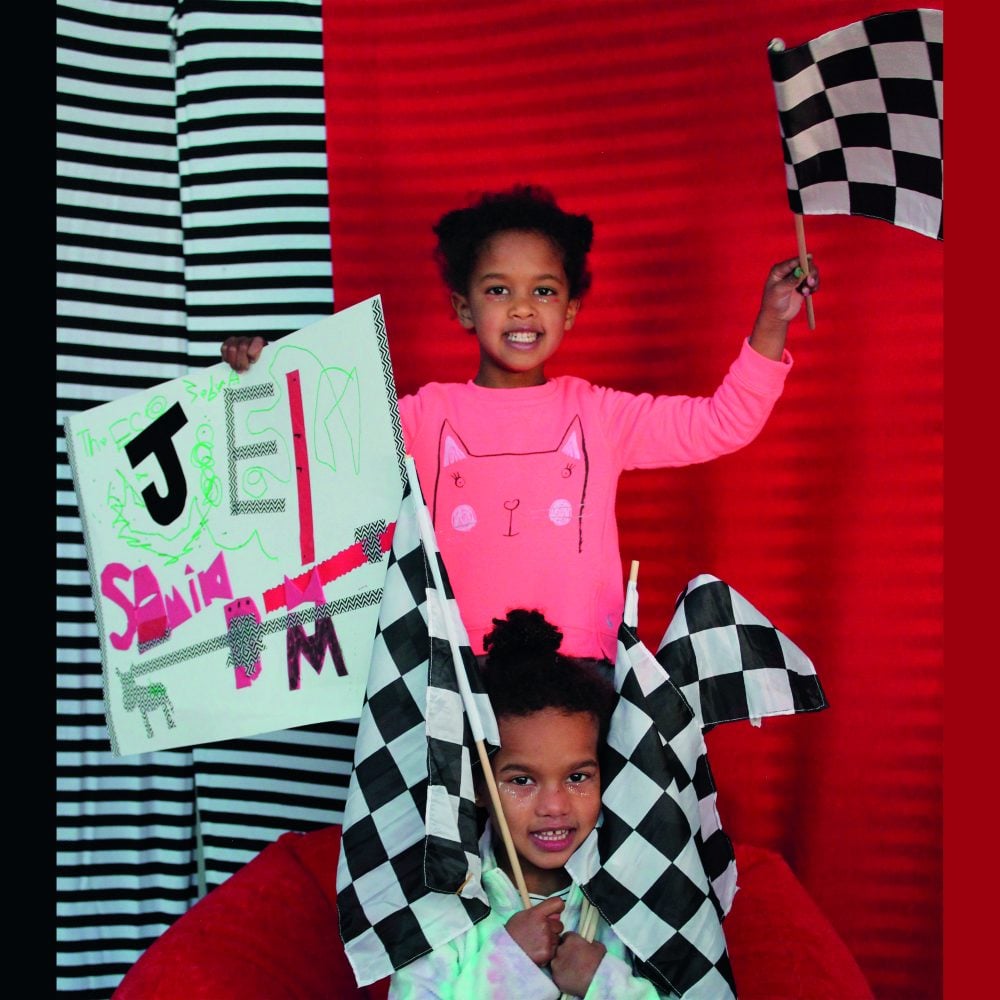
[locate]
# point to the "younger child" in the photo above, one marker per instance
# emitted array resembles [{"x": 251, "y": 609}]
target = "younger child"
[
  {"x": 520, "y": 471},
  {"x": 553, "y": 714}
]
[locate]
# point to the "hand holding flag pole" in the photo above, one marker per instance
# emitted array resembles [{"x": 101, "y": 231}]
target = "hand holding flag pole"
[
  {"x": 800, "y": 238},
  {"x": 860, "y": 110},
  {"x": 777, "y": 45},
  {"x": 508, "y": 842}
]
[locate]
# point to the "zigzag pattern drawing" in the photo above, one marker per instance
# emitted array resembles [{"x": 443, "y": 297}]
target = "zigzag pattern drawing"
[
  {"x": 239, "y": 452},
  {"x": 390, "y": 384},
  {"x": 180, "y": 655},
  {"x": 245, "y": 643},
  {"x": 370, "y": 537},
  {"x": 146, "y": 698},
  {"x": 353, "y": 603}
]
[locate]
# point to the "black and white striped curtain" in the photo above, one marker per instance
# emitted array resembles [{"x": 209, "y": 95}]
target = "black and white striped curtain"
[{"x": 192, "y": 205}]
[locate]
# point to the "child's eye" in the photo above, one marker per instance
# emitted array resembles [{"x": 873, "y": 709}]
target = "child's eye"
[
  {"x": 521, "y": 780},
  {"x": 496, "y": 290},
  {"x": 546, "y": 292},
  {"x": 578, "y": 777}
]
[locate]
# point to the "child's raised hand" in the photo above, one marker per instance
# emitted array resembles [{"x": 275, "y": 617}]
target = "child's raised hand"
[
  {"x": 784, "y": 292},
  {"x": 537, "y": 930},
  {"x": 241, "y": 352},
  {"x": 575, "y": 962}
]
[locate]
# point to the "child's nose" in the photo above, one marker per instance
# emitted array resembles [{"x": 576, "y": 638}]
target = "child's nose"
[
  {"x": 521, "y": 305},
  {"x": 553, "y": 801}
]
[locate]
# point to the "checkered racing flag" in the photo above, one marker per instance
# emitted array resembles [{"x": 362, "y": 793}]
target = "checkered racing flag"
[
  {"x": 660, "y": 868},
  {"x": 861, "y": 114},
  {"x": 408, "y": 878},
  {"x": 730, "y": 663}
]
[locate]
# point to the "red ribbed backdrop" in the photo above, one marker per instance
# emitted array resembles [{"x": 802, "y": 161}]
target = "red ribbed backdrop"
[{"x": 658, "y": 120}]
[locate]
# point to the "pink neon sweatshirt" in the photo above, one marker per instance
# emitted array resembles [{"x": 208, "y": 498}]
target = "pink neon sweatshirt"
[{"x": 521, "y": 484}]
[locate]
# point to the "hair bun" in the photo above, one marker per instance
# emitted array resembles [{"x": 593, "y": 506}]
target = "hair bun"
[{"x": 520, "y": 633}]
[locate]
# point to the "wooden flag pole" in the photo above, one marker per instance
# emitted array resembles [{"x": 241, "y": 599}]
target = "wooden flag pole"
[
  {"x": 800, "y": 237},
  {"x": 587, "y": 929},
  {"x": 471, "y": 712},
  {"x": 508, "y": 842}
]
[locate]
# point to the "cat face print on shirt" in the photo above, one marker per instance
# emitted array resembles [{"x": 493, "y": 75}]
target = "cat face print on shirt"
[{"x": 522, "y": 496}]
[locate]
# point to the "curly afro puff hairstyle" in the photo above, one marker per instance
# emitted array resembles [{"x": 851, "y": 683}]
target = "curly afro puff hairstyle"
[
  {"x": 524, "y": 672},
  {"x": 462, "y": 232}
]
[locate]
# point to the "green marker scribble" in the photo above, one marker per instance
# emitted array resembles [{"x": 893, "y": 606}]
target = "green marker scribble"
[
  {"x": 336, "y": 407},
  {"x": 213, "y": 390},
  {"x": 346, "y": 404},
  {"x": 128, "y": 510}
]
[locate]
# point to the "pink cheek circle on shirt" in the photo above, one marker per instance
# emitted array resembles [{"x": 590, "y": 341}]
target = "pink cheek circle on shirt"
[
  {"x": 463, "y": 517},
  {"x": 561, "y": 512}
]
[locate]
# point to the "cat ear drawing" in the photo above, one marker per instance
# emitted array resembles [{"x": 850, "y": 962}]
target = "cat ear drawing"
[
  {"x": 452, "y": 449},
  {"x": 570, "y": 444}
]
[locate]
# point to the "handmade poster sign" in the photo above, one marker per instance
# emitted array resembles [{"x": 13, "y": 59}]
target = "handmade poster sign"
[{"x": 237, "y": 530}]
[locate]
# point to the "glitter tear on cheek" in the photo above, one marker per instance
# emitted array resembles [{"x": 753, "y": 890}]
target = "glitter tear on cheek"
[
  {"x": 514, "y": 791},
  {"x": 585, "y": 789}
]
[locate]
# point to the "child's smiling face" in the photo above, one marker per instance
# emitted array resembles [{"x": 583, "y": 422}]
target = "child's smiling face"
[
  {"x": 549, "y": 781},
  {"x": 519, "y": 307}
]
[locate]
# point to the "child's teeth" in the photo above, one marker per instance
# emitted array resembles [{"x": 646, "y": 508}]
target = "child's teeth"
[{"x": 522, "y": 337}]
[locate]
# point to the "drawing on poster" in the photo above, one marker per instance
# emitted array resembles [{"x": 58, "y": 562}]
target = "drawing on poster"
[{"x": 236, "y": 526}]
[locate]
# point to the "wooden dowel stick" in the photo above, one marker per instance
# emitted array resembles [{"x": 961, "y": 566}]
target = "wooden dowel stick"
[
  {"x": 800, "y": 237},
  {"x": 475, "y": 723},
  {"x": 587, "y": 929},
  {"x": 508, "y": 842}
]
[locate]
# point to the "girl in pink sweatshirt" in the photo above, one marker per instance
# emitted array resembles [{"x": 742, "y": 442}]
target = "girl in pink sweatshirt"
[{"x": 520, "y": 471}]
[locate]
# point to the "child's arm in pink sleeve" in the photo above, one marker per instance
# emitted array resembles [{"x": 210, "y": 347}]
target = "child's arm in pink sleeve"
[{"x": 659, "y": 431}]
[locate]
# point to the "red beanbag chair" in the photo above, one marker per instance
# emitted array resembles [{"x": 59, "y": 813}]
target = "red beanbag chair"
[{"x": 270, "y": 931}]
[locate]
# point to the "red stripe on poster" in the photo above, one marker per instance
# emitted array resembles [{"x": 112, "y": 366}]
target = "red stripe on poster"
[{"x": 307, "y": 545}]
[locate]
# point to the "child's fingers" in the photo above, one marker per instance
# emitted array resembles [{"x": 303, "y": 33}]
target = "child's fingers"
[
  {"x": 790, "y": 273},
  {"x": 549, "y": 911},
  {"x": 808, "y": 284},
  {"x": 785, "y": 269},
  {"x": 255, "y": 347},
  {"x": 549, "y": 907},
  {"x": 233, "y": 352},
  {"x": 241, "y": 352}
]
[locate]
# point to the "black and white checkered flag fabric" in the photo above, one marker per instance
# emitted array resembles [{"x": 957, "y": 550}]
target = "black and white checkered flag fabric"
[
  {"x": 730, "y": 663},
  {"x": 660, "y": 868},
  {"x": 643, "y": 867},
  {"x": 408, "y": 878},
  {"x": 862, "y": 114}
]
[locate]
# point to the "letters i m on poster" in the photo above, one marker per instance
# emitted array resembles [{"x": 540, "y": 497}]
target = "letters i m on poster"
[{"x": 237, "y": 529}]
